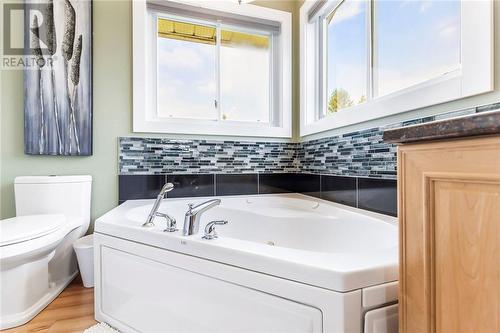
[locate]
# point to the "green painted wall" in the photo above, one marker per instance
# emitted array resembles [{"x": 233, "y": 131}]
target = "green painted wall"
[
  {"x": 112, "y": 115},
  {"x": 112, "y": 92}
]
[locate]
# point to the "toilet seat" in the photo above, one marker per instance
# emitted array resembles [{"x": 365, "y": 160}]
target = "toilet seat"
[{"x": 24, "y": 228}]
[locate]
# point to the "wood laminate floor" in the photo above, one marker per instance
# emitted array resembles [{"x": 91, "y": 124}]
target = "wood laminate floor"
[{"x": 71, "y": 312}]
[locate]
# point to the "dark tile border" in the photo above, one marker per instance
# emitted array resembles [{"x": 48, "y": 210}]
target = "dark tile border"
[
  {"x": 139, "y": 186},
  {"x": 191, "y": 185},
  {"x": 340, "y": 189},
  {"x": 237, "y": 184},
  {"x": 307, "y": 183},
  {"x": 378, "y": 195},
  {"x": 276, "y": 183},
  {"x": 373, "y": 194}
]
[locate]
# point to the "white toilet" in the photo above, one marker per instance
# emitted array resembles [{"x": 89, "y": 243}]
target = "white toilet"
[{"x": 36, "y": 255}]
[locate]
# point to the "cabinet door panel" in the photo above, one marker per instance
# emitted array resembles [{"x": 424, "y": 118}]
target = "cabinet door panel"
[
  {"x": 466, "y": 255},
  {"x": 449, "y": 197}
]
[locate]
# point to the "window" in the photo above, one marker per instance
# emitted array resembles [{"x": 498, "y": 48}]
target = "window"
[
  {"x": 366, "y": 59},
  {"x": 212, "y": 70},
  {"x": 346, "y": 53},
  {"x": 186, "y": 72},
  {"x": 246, "y": 64},
  {"x": 421, "y": 44}
]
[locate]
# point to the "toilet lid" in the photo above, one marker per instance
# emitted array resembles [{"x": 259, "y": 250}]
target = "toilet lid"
[{"x": 22, "y": 228}]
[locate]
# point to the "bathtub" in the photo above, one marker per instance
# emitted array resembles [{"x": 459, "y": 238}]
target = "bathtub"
[{"x": 283, "y": 263}]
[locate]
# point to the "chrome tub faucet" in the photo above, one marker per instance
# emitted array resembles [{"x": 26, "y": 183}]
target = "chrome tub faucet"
[
  {"x": 154, "y": 210},
  {"x": 192, "y": 217}
]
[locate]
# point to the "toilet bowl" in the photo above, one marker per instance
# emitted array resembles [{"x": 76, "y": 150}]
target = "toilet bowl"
[{"x": 37, "y": 260}]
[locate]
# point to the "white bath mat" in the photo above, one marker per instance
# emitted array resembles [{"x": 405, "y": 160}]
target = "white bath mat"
[{"x": 101, "y": 328}]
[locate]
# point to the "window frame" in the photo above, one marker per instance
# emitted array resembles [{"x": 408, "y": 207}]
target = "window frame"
[
  {"x": 474, "y": 77},
  {"x": 145, "y": 115}
]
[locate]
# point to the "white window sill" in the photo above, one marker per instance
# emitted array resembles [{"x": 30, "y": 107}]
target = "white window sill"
[
  {"x": 435, "y": 91},
  {"x": 210, "y": 127}
]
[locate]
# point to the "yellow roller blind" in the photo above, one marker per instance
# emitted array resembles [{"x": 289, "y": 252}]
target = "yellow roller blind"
[{"x": 207, "y": 35}]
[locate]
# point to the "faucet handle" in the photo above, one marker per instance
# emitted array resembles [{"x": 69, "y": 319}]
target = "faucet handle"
[
  {"x": 210, "y": 232},
  {"x": 171, "y": 222}
]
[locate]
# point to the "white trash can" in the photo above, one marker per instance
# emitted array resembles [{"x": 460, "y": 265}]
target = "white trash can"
[{"x": 84, "y": 248}]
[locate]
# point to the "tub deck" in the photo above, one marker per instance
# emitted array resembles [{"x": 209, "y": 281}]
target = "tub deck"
[{"x": 363, "y": 250}]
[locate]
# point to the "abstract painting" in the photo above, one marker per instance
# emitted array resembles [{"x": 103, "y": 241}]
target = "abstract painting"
[{"x": 58, "y": 81}]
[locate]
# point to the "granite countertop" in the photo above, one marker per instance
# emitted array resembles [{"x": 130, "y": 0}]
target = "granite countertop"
[{"x": 485, "y": 123}]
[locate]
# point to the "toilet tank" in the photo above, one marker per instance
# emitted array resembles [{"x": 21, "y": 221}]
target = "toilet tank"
[{"x": 68, "y": 195}]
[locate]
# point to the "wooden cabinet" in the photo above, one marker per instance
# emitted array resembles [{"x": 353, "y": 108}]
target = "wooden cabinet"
[{"x": 449, "y": 208}]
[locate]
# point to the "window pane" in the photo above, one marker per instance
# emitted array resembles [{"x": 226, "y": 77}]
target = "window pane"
[
  {"x": 245, "y": 76},
  {"x": 186, "y": 70},
  {"x": 346, "y": 56},
  {"x": 414, "y": 41}
]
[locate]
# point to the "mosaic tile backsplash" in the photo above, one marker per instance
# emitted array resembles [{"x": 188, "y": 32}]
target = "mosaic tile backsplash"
[
  {"x": 361, "y": 154},
  {"x": 168, "y": 156}
]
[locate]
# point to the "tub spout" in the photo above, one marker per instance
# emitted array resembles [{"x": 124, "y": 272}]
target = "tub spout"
[{"x": 192, "y": 218}]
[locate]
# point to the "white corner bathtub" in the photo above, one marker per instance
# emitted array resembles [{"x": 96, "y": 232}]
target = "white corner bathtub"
[{"x": 283, "y": 263}]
